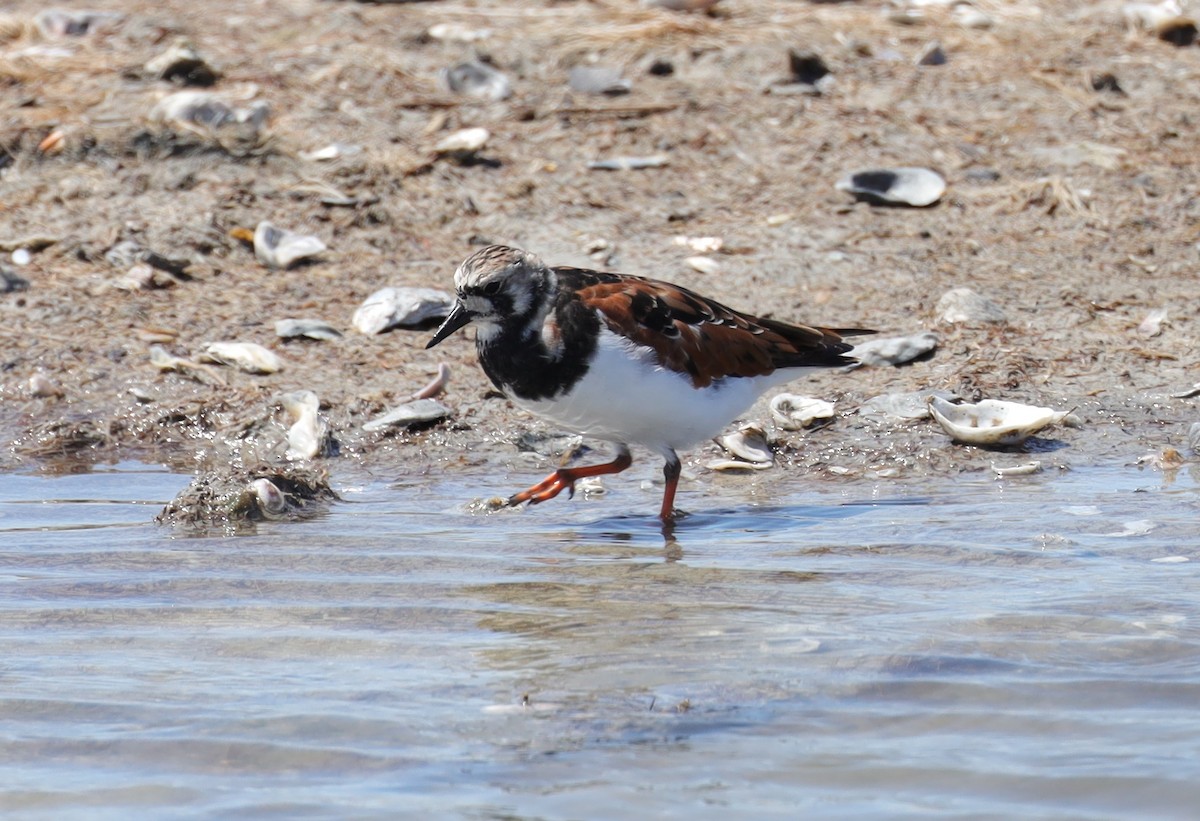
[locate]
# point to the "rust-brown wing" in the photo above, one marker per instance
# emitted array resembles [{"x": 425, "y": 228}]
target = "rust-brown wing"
[{"x": 702, "y": 338}]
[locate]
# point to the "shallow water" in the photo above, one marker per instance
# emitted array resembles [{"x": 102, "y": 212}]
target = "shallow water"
[{"x": 965, "y": 648}]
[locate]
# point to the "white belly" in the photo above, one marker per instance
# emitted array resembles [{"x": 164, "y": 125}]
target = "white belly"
[{"x": 626, "y": 397}]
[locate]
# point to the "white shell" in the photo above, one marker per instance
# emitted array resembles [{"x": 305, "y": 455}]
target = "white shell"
[
  {"x": 279, "y": 248},
  {"x": 463, "y": 141},
  {"x": 895, "y": 350},
  {"x": 456, "y": 33},
  {"x": 307, "y": 436},
  {"x": 245, "y": 356},
  {"x": 412, "y": 413},
  {"x": 204, "y": 109},
  {"x": 750, "y": 444},
  {"x": 1151, "y": 326},
  {"x": 1017, "y": 470},
  {"x": 964, "y": 305},
  {"x": 737, "y": 464},
  {"x": 598, "y": 80},
  {"x": 311, "y": 328},
  {"x": 902, "y": 406},
  {"x": 701, "y": 245},
  {"x": 42, "y": 386},
  {"x": 895, "y": 186},
  {"x": 270, "y": 498},
  {"x": 477, "y": 80},
  {"x": 794, "y": 412},
  {"x": 992, "y": 422},
  {"x": 705, "y": 265},
  {"x": 401, "y": 307}
]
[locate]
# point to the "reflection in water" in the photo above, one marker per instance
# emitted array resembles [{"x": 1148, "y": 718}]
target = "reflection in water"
[{"x": 1000, "y": 649}]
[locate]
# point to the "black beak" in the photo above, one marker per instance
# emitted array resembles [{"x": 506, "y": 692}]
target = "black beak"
[{"x": 459, "y": 316}]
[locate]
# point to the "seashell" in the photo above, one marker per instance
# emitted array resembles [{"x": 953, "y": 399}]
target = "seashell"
[
  {"x": 1150, "y": 16},
  {"x": 1017, "y": 470},
  {"x": 960, "y": 305},
  {"x": 465, "y": 141},
  {"x": 309, "y": 435},
  {"x": 456, "y": 33},
  {"x": 992, "y": 422},
  {"x": 1151, "y": 326},
  {"x": 598, "y": 80},
  {"x": 56, "y": 23},
  {"x": 477, "y": 79},
  {"x": 705, "y": 265},
  {"x": 1193, "y": 438},
  {"x": 436, "y": 385},
  {"x": 10, "y": 282},
  {"x": 42, "y": 387},
  {"x": 794, "y": 412},
  {"x": 629, "y": 163},
  {"x": 411, "y": 413},
  {"x": 903, "y": 406},
  {"x": 737, "y": 464},
  {"x": 390, "y": 308},
  {"x": 182, "y": 62},
  {"x": 701, "y": 245},
  {"x": 333, "y": 151},
  {"x": 970, "y": 17},
  {"x": 917, "y": 187},
  {"x": 749, "y": 443},
  {"x": 1194, "y": 390},
  {"x": 895, "y": 350},
  {"x": 271, "y": 500},
  {"x": 310, "y": 328},
  {"x": 932, "y": 55},
  {"x": 280, "y": 248},
  {"x": 208, "y": 111},
  {"x": 142, "y": 277},
  {"x": 249, "y": 357},
  {"x": 142, "y": 394}
]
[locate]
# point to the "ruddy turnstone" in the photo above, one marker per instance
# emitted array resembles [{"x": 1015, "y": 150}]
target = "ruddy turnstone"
[{"x": 623, "y": 358}]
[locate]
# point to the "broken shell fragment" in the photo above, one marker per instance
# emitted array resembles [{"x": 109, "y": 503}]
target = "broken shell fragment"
[
  {"x": 477, "y": 79},
  {"x": 249, "y": 357},
  {"x": 279, "y": 248},
  {"x": 1193, "y": 438},
  {"x": 183, "y": 63},
  {"x": 902, "y": 406},
  {"x": 465, "y": 141},
  {"x": 310, "y": 328},
  {"x": 992, "y": 422},
  {"x": 598, "y": 80},
  {"x": 42, "y": 387},
  {"x": 1017, "y": 470},
  {"x": 390, "y": 308},
  {"x": 895, "y": 350},
  {"x": 705, "y": 265},
  {"x": 55, "y": 23},
  {"x": 456, "y": 33},
  {"x": 749, "y": 443},
  {"x": 737, "y": 464},
  {"x": 962, "y": 305},
  {"x": 917, "y": 187},
  {"x": 794, "y": 412},
  {"x": 629, "y": 163},
  {"x": 408, "y": 414}
]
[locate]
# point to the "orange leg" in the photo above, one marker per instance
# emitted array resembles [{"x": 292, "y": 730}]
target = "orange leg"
[
  {"x": 671, "y": 472},
  {"x": 565, "y": 479}
]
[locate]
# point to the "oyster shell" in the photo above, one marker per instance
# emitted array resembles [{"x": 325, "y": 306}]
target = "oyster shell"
[
  {"x": 794, "y": 412},
  {"x": 895, "y": 350},
  {"x": 279, "y": 248},
  {"x": 249, "y": 357},
  {"x": 390, "y": 308},
  {"x": 750, "y": 444},
  {"x": 309, "y": 434},
  {"x": 917, "y": 187},
  {"x": 310, "y": 328},
  {"x": 959, "y": 305},
  {"x": 477, "y": 79},
  {"x": 411, "y": 413},
  {"x": 992, "y": 422}
]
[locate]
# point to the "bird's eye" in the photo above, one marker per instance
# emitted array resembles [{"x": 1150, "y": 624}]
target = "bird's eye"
[{"x": 492, "y": 288}]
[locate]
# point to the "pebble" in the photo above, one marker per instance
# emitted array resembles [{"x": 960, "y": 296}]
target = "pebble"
[
  {"x": 895, "y": 350},
  {"x": 310, "y": 328},
  {"x": 411, "y": 413},
  {"x": 962, "y": 305},
  {"x": 279, "y": 248},
  {"x": 390, "y": 308}
]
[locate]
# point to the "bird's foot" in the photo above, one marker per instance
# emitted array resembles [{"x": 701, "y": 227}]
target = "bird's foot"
[{"x": 548, "y": 488}]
